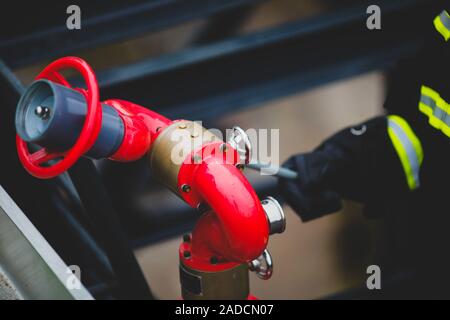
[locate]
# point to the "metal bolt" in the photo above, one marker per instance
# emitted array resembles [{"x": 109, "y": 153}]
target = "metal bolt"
[
  {"x": 186, "y": 188},
  {"x": 187, "y": 254},
  {"x": 214, "y": 260},
  {"x": 186, "y": 238},
  {"x": 42, "y": 112},
  {"x": 254, "y": 265}
]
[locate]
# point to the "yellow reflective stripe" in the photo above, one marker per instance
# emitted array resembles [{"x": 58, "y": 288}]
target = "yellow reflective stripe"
[
  {"x": 436, "y": 108},
  {"x": 442, "y": 24},
  {"x": 403, "y": 159},
  {"x": 446, "y": 131},
  {"x": 430, "y": 92},
  {"x": 425, "y": 109},
  {"x": 408, "y": 148},
  {"x": 411, "y": 135}
]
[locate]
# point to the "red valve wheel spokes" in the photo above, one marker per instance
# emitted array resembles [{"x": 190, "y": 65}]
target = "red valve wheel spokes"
[{"x": 91, "y": 128}]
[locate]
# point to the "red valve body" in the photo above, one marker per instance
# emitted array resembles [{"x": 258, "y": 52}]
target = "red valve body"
[
  {"x": 236, "y": 228},
  {"x": 234, "y": 231}
]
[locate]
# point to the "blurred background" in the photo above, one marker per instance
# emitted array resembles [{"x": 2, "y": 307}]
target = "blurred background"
[{"x": 305, "y": 67}]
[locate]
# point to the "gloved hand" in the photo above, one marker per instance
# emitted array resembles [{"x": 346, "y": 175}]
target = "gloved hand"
[
  {"x": 309, "y": 195},
  {"x": 357, "y": 163}
]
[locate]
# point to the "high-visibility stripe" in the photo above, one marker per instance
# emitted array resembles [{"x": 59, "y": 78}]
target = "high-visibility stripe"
[
  {"x": 408, "y": 148},
  {"x": 442, "y": 24},
  {"x": 436, "y": 108}
]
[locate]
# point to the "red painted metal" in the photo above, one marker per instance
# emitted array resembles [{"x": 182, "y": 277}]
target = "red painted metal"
[
  {"x": 236, "y": 229},
  {"x": 142, "y": 127}
]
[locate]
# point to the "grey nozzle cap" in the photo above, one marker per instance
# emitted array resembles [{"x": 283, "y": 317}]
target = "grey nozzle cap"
[
  {"x": 52, "y": 116},
  {"x": 29, "y": 125}
]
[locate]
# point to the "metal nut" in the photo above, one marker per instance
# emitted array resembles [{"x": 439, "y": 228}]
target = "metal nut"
[
  {"x": 275, "y": 215},
  {"x": 214, "y": 260},
  {"x": 186, "y": 188},
  {"x": 263, "y": 265}
]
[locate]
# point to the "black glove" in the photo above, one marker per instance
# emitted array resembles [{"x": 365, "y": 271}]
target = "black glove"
[
  {"x": 308, "y": 194},
  {"x": 357, "y": 163}
]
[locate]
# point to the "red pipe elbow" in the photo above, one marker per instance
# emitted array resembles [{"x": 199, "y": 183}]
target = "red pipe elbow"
[
  {"x": 237, "y": 228},
  {"x": 142, "y": 127}
]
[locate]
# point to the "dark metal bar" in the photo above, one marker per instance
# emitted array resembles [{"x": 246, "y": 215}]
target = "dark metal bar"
[
  {"x": 207, "y": 81},
  {"x": 92, "y": 254},
  {"x": 223, "y": 25},
  {"x": 111, "y": 22},
  {"x": 132, "y": 283}
]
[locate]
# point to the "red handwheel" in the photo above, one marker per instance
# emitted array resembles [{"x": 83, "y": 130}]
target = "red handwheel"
[{"x": 33, "y": 162}]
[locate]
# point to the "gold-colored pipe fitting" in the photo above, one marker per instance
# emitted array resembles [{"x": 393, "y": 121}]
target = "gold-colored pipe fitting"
[
  {"x": 173, "y": 145},
  {"x": 231, "y": 284}
]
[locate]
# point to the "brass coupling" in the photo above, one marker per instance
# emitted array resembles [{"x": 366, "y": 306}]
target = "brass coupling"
[{"x": 173, "y": 145}]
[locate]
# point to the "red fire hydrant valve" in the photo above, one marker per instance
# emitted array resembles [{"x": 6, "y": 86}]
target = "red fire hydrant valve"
[{"x": 232, "y": 234}]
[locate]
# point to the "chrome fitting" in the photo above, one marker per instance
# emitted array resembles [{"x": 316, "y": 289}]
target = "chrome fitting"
[{"x": 275, "y": 215}]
